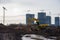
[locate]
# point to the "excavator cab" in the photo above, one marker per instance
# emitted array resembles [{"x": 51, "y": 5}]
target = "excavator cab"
[{"x": 37, "y": 23}]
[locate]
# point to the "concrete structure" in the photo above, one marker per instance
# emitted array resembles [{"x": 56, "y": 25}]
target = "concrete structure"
[
  {"x": 48, "y": 20},
  {"x": 29, "y": 16},
  {"x": 57, "y": 21},
  {"x": 42, "y": 17}
]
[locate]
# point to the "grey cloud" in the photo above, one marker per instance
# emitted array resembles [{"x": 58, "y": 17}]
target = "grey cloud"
[
  {"x": 23, "y": 2},
  {"x": 33, "y": 2},
  {"x": 18, "y": 1},
  {"x": 5, "y": 1}
]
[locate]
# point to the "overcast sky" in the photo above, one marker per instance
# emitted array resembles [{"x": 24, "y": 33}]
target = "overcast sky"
[{"x": 20, "y": 7}]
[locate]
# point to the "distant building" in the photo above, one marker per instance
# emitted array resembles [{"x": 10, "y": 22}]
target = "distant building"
[
  {"x": 57, "y": 20},
  {"x": 48, "y": 20},
  {"x": 29, "y": 16},
  {"x": 42, "y": 17}
]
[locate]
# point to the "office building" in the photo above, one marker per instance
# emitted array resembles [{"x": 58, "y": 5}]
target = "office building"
[
  {"x": 42, "y": 17},
  {"x": 28, "y": 17},
  {"x": 57, "y": 21},
  {"x": 48, "y": 20}
]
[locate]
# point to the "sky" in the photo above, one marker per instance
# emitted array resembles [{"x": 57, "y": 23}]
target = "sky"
[{"x": 17, "y": 9}]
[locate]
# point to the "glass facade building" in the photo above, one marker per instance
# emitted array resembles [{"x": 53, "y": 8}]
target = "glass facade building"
[
  {"x": 29, "y": 16},
  {"x": 57, "y": 22},
  {"x": 42, "y": 17},
  {"x": 48, "y": 20}
]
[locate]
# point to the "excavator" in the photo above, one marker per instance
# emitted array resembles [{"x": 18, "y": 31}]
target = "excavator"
[{"x": 37, "y": 22}]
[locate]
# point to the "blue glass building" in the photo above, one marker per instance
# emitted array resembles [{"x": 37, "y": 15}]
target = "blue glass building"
[
  {"x": 48, "y": 20},
  {"x": 29, "y": 16},
  {"x": 57, "y": 21},
  {"x": 42, "y": 17}
]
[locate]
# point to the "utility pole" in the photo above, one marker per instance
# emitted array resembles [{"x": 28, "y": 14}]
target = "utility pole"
[{"x": 4, "y": 14}]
